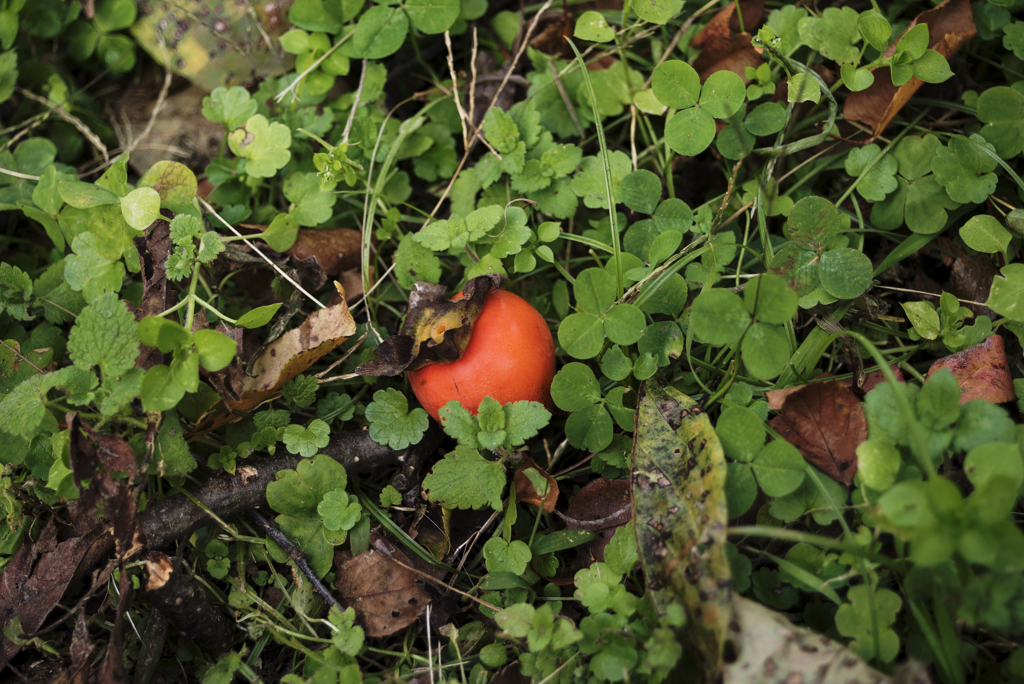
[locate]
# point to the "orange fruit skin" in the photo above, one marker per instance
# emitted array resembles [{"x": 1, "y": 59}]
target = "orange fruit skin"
[{"x": 510, "y": 357}]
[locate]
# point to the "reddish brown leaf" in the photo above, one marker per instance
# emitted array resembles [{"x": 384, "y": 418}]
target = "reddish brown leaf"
[
  {"x": 728, "y": 53},
  {"x": 379, "y": 585},
  {"x": 825, "y": 422},
  {"x": 602, "y": 506},
  {"x": 726, "y": 22},
  {"x": 950, "y": 26},
  {"x": 981, "y": 372},
  {"x": 153, "y": 250},
  {"x": 34, "y": 581},
  {"x": 526, "y": 490},
  {"x": 777, "y": 398},
  {"x": 334, "y": 249}
]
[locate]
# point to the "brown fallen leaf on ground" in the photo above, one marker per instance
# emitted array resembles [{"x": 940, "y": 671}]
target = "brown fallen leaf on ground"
[
  {"x": 725, "y": 46},
  {"x": 334, "y": 249},
  {"x": 534, "y": 486},
  {"x": 727, "y": 22},
  {"x": 950, "y": 26},
  {"x": 825, "y": 422},
  {"x": 602, "y": 506},
  {"x": 282, "y": 360},
  {"x": 777, "y": 398},
  {"x": 386, "y": 596},
  {"x": 971, "y": 275},
  {"x": 34, "y": 581},
  {"x": 981, "y": 371}
]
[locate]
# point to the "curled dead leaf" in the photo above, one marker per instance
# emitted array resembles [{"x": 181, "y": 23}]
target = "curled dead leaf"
[
  {"x": 534, "y": 486},
  {"x": 282, "y": 360},
  {"x": 981, "y": 371},
  {"x": 436, "y": 329},
  {"x": 950, "y": 26}
]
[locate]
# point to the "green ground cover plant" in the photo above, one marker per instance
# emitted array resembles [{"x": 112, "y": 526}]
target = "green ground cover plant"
[{"x": 776, "y": 246}]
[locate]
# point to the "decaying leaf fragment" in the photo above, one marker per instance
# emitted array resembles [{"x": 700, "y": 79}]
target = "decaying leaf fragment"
[
  {"x": 282, "y": 360},
  {"x": 436, "y": 330},
  {"x": 950, "y": 26},
  {"x": 981, "y": 372},
  {"x": 680, "y": 513},
  {"x": 770, "y": 648},
  {"x": 826, "y": 422}
]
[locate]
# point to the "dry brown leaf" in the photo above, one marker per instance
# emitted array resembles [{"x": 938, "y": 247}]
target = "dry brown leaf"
[
  {"x": 526, "y": 489},
  {"x": 602, "y": 506},
  {"x": 334, "y": 249},
  {"x": 726, "y": 22},
  {"x": 386, "y": 596},
  {"x": 950, "y": 26},
  {"x": 282, "y": 360},
  {"x": 728, "y": 53},
  {"x": 981, "y": 371},
  {"x": 34, "y": 581},
  {"x": 777, "y": 398},
  {"x": 825, "y": 422}
]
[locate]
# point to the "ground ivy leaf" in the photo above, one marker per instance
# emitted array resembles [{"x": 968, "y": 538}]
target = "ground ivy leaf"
[
  {"x": 265, "y": 145},
  {"x": 311, "y": 205},
  {"x": 105, "y": 335},
  {"x": 23, "y": 409},
  {"x": 1001, "y": 110},
  {"x": 230, "y": 107},
  {"x": 854, "y": 619},
  {"x": 500, "y": 130},
  {"x": 1006, "y": 296},
  {"x": 589, "y": 185},
  {"x": 15, "y": 292},
  {"x": 89, "y": 270},
  {"x": 339, "y": 510},
  {"x": 392, "y": 423},
  {"x": 465, "y": 479},
  {"x": 964, "y": 170},
  {"x": 592, "y": 26},
  {"x": 502, "y": 556},
  {"x": 880, "y": 180},
  {"x": 835, "y": 34},
  {"x": 306, "y": 441}
]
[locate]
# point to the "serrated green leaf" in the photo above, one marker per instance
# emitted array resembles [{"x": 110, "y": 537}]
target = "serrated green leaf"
[{"x": 464, "y": 479}]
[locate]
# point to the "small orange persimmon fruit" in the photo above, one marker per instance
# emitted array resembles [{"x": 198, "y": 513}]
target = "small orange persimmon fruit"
[{"x": 510, "y": 357}]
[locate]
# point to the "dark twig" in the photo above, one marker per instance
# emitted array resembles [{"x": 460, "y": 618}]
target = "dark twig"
[{"x": 296, "y": 555}]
